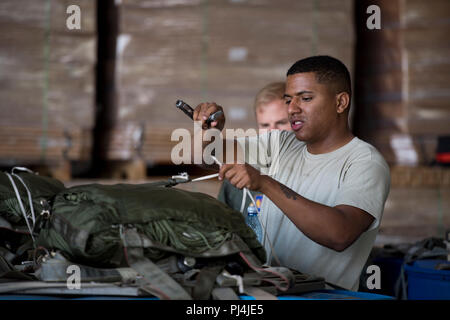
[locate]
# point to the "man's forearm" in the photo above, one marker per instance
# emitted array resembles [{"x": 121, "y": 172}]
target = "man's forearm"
[{"x": 325, "y": 225}]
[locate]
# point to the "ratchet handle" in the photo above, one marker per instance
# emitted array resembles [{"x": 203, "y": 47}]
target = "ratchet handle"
[{"x": 183, "y": 106}]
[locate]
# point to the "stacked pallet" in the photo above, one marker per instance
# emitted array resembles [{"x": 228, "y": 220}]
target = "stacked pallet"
[
  {"x": 404, "y": 79},
  {"x": 424, "y": 177},
  {"x": 222, "y": 51},
  {"x": 47, "y": 90},
  {"x": 30, "y": 144}
]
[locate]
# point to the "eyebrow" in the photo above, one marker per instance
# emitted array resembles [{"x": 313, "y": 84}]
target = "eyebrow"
[{"x": 297, "y": 94}]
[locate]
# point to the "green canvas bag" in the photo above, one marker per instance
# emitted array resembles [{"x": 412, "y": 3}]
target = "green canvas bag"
[
  {"x": 25, "y": 197},
  {"x": 18, "y": 189},
  {"x": 144, "y": 226},
  {"x": 87, "y": 220},
  {"x": 182, "y": 244}
]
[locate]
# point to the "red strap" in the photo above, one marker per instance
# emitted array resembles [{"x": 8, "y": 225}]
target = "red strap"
[
  {"x": 270, "y": 271},
  {"x": 443, "y": 157}
]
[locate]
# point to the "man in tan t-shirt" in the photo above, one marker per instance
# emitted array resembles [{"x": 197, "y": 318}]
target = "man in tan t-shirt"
[{"x": 325, "y": 189}]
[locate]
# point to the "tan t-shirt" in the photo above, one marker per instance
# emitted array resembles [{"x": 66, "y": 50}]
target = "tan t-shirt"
[{"x": 355, "y": 174}]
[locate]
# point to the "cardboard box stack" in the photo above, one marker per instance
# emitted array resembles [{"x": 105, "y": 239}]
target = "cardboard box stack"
[
  {"x": 222, "y": 51},
  {"x": 403, "y": 106},
  {"x": 404, "y": 78},
  {"x": 47, "y": 76}
]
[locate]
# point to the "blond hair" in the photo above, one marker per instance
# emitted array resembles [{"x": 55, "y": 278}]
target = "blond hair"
[{"x": 271, "y": 92}]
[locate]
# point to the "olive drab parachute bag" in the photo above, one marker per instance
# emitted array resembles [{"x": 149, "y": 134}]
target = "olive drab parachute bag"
[
  {"x": 150, "y": 238},
  {"x": 184, "y": 244},
  {"x": 25, "y": 198},
  {"x": 18, "y": 189}
]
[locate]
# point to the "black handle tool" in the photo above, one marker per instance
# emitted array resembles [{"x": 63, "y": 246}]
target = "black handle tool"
[{"x": 183, "y": 106}]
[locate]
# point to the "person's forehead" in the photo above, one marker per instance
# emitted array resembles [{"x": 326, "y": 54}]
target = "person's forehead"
[
  {"x": 272, "y": 112},
  {"x": 306, "y": 81},
  {"x": 275, "y": 106}
]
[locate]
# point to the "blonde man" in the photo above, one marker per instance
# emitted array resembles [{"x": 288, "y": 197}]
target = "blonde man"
[{"x": 270, "y": 109}]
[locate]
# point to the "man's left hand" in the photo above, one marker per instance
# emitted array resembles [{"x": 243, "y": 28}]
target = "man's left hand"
[{"x": 241, "y": 176}]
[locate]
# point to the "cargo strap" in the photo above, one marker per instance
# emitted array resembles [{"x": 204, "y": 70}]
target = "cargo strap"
[
  {"x": 28, "y": 285},
  {"x": 224, "y": 294},
  {"x": 234, "y": 245},
  {"x": 33, "y": 287},
  {"x": 156, "y": 281},
  {"x": 54, "y": 269},
  {"x": 229, "y": 294},
  {"x": 205, "y": 282},
  {"x": 259, "y": 294},
  {"x": 282, "y": 278},
  {"x": 8, "y": 271}
]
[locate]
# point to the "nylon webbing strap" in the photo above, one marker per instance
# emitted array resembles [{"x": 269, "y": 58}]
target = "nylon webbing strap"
[
  {"x": 28, "y": 285},
  {"x": 7, "y": 270},
  {"x": 55, "y": 269},
  {"x": 205, "y": 282},
  {"x": 224, "y": 294},
  {"x": 259, "y": 294},
  {"x": 234, "y": 245},
  {"x": 157, "y": 282},
  {"x": 282, "y": 278}
]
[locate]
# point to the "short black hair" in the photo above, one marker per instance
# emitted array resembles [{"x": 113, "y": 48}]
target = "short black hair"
[{"x": 328, "y": 70}]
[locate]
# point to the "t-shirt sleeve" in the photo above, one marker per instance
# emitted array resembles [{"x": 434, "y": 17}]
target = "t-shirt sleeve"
[{"x": 365, "y": 186}]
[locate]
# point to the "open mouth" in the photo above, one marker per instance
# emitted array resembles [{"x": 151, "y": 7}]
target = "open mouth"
[{"x": 296, "y": 125}]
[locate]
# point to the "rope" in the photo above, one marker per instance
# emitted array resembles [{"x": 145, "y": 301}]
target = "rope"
[
  {"x": 266, "y": 236},
  {"x": 183, "y": 236},
  {"x": 245, "y": 191},
  {"x": 215, "y": 175},
  {"x": 22, "y": 208},
  {"x": 244, "y": 196},
  {"x": 30, "y": 199}
]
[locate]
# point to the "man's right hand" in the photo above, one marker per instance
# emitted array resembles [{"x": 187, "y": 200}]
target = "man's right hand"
[{"x": 204, "y": 110}]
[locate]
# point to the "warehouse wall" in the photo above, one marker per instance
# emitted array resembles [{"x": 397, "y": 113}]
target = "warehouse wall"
[
  {"x": 403, "y": 78},
  {"x": 225, "y": 51},
  {"x": 403, "y": 96},
  {"x": 46, "y": 82},
  {"x": 222, "y": 51}
]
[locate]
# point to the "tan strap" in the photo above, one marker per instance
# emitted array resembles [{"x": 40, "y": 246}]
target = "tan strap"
[
  {"x": 224, "y": 294},
  {"x": 156, "y": 281},
  {"x": 259, "y": 294}
]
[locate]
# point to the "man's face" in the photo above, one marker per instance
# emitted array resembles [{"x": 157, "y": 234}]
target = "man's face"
[
  {"x": 311, "y": 107},
  {"x": 273, "y": 116}
]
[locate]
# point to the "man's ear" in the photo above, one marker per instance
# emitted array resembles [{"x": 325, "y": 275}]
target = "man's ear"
[{"x": 342, "y": 102}]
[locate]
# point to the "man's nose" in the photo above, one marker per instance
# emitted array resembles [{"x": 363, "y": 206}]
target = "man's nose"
[{"x": 293, "y": 106}]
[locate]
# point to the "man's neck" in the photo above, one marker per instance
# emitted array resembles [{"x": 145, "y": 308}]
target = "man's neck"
[{"x": 333, "y": 142}]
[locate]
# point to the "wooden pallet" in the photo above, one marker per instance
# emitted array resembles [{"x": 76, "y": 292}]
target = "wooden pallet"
[
  {"x": 420, "y": 176},
  {"x": 48, "y": 152}
]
